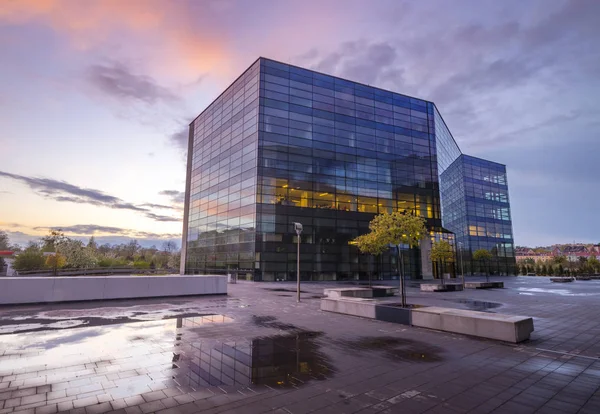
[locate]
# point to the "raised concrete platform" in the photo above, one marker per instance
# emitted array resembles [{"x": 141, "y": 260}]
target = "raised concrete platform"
[
  {"x": 484, "y": 285},
  {"x": 506, "y": 328},
  {"x": 367, "y": 308},
  {"x": 561, "y": 279},
  {"x": 17, "y": 290},
  {"x": 438, "y": 287},
  {"x": 361, "y": 292}
]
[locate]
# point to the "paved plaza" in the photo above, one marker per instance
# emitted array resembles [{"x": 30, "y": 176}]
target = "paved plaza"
[{"x": 257, "y": 350}]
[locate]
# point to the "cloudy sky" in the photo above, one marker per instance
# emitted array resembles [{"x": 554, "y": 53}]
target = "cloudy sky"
[{"x": 95, "y": 97}]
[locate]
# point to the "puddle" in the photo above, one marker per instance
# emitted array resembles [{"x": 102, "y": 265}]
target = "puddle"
[
  {"x": 22, "y": 325},
  {"x": 277, "y": 361},
  {"x": 169, "y": 352},
  {"x": 396, "y": 349},
  {"x": 477, "y": 305},
  {"x": 284, "y": 290},
  {"x": 272, "y": 322},
  {"x": 561, "y": 292}
]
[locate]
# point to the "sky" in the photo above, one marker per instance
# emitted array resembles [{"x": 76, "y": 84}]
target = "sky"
[{"x": 96, "y": 96}]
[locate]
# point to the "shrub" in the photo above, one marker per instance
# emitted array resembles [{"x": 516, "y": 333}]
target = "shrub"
[
  {"x": 140, "y": 264},
  {"x": 29, "y": 260}
]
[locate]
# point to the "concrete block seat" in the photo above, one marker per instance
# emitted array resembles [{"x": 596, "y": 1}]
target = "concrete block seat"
[
  {"x": 561, "y": 279},
  {"x": 367, "y": 308},
  {"x": 361, "y": 292},
  {"x": 506, "y": 328},
  {"x": 438, "y": 287},
  {"x": 484, "y": 285}
]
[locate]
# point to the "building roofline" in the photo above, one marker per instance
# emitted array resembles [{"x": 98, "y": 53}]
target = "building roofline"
[
  {"x": 346, "y": 80},
  {"x": 225, "y": 90},
  {"x": 448, "y": 128},
  {"x": 311, "y": 70},
  {"x": 483, "y": 159}
]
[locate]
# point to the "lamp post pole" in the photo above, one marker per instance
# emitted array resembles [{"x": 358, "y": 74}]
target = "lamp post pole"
[
  {"x": 298, "y": 228},
  {"x": 462, "y": 268}
]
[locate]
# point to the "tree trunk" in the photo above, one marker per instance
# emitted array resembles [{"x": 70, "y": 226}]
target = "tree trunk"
[
  {"x": 442, "y": 273},
  {"x": 401, "y": 276},
  {"x": 371, "y": 273}
]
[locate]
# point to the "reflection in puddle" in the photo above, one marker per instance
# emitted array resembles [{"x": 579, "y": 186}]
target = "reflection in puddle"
[
  {"x": 477, "y": 305},
  {"x": 396, "y": 349},
  {"x": 562, "y": 292},
  {"x": 170, "y": 352},
  {"x": 277, "y": 361},
  {"x": 16, "y": 325},
  {"x": 272, "y": 322}
]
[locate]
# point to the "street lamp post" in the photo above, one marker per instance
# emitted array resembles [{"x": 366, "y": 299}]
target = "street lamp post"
[
  {"x": 298, "y": 228},
  {"x": 462, "y": 268}
]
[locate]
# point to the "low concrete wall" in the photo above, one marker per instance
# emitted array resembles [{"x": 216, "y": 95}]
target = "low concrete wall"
[
  {"x": 16, "y": 290},
  {"x": 360, "y": 292},
  {"x": 484, "y": 285},
  {"x": 438, "y": 287},
  {"x": 507, "y": 328}
]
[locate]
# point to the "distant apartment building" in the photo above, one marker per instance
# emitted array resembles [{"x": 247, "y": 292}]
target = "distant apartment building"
[{"x": 571, "y": 252}]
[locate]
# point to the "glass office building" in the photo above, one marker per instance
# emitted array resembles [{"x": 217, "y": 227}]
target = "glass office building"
[
  {"x": 284, "y": 144},
  {"x": 476, "y": 208}
]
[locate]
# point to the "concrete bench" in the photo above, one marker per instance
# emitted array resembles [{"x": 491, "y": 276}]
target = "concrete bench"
[
  {"x": 438, "y": 287},
  {"x": 507, "y": 328},
  {"x": 561, "y": 279},
  {"x": 360, "y": 292},
  {"x": 367, "y": 308},
  {"x": 484, "y": 285}
]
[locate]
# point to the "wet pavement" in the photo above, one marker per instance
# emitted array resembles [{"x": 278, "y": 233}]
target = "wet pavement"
[{"x": 257, "y": 350}]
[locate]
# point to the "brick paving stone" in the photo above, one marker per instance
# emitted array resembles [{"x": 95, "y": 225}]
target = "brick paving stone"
[
  {"x": 98, "y": 408},
  {"x": 47, "y": 409}
]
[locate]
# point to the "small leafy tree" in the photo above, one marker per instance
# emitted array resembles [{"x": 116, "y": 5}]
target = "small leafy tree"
[
  {"x": 52, "y": 240},
  {"x": 593, "y": 264},
  {"x": 483, "y": 256},
  {"x": 559, "y": 260},
  {"x": 92, "y": 245},
  {"x": 78, "y": 256},
  {"x": 372, "y": 245},
  {"x": 55, "y": 262},
  {"x": 174, "y": 260},
  {"x": 441, "y": 252},
  {"x": 396, "y": 229}
]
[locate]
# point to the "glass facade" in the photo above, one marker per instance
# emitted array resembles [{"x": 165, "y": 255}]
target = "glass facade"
[
  {"x": 222, "y": 176},
  {"x": 285, "y": 144},
  {"x": 477, "y": 210}
]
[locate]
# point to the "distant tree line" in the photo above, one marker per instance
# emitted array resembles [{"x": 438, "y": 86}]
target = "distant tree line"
[
  {"x": 559, "y": 266},
  {"x": 68, "y": 253}
]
